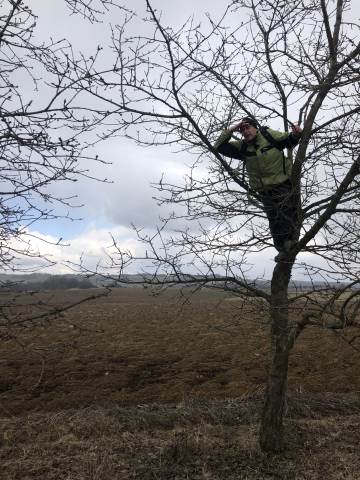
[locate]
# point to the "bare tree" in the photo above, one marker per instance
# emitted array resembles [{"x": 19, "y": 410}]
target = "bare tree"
[
  {"x": 45, "y": 129},
  {"x": 275, "y": 60}
]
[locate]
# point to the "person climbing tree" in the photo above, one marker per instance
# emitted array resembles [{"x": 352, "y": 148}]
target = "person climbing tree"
[{"x": 268, "y": 171}]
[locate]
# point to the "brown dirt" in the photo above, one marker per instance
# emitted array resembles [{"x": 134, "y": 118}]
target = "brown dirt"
[
  {"x": 135, "y": 347},
  {"x": 85, "y": 390}
]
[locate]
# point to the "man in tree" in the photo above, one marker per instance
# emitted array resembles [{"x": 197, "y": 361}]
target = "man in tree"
[{"x": 269, "y": 171}]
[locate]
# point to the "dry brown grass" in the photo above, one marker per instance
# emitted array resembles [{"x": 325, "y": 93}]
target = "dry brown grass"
[{"x": 189, "y": 440}]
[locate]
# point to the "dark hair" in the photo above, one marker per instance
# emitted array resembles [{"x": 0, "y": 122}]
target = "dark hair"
[{"x": 250, "y": 121}]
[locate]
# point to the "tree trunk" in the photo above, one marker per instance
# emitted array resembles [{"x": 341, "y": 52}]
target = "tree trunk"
[{"x": 271, "y": 433}]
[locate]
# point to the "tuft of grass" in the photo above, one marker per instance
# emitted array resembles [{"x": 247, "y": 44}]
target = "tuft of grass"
[{"x": 99, "y": 465}]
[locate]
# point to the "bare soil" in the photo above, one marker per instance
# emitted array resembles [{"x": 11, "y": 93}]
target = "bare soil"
[{"x": 152, "y": 387}]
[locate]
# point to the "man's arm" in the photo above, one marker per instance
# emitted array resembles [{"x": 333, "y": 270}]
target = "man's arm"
[
  {"x": 287, "y": 140},
  {"x": 227, "y": 148}
]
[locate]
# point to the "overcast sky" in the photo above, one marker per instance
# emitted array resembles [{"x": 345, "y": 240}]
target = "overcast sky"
[{"x": 113, "y": 207}]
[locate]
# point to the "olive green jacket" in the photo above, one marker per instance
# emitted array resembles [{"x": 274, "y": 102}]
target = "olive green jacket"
[{"x": 266, "y": 165}]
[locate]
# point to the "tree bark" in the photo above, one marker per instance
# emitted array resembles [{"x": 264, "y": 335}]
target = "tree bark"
[{"x": 271, "y": 433}]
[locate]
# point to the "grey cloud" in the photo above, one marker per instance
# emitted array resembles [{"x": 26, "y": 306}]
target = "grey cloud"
[{"x": 129, "y": 198}]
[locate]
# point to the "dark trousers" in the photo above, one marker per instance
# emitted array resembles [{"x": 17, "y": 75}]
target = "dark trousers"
[{"x": 280, "y": 209}]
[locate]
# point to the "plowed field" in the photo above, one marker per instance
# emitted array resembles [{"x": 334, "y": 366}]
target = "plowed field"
[{"x": 133, "y": 347}]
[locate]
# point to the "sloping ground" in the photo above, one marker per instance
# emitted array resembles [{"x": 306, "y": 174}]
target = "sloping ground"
[{"x": 189, "y": 440}]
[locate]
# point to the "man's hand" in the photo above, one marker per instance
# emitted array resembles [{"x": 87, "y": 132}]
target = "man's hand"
[
  {"x": 296, "y": 130},
  {"x": 236, "y": 127}
]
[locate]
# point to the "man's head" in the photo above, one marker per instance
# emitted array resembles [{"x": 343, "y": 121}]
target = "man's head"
[{"x": 248, "y": 128}]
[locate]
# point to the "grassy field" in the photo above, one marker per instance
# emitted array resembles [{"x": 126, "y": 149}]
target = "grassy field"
[{"x": 136, "y": 386}]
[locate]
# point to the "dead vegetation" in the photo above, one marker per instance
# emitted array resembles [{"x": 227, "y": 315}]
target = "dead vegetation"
[{"x": 192, "y": 439}]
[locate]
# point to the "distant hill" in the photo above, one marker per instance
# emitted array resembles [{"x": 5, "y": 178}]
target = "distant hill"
[
  {"x": 46, "y": 281},
  {"x": 42, "y": 281}
]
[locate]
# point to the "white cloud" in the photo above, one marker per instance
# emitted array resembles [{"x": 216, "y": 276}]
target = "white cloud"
[{"x": 91, "y": 246}]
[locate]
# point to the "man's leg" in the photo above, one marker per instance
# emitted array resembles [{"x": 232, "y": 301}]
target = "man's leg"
[
  {"x": 280, "y": 209},
  {"x": 287, "y": 214},
  {"x": 272, "y": 212}
]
